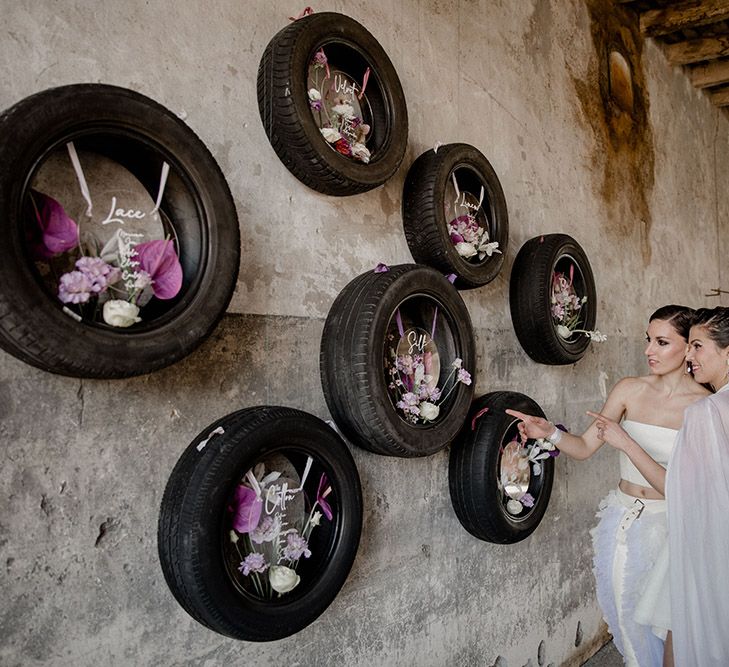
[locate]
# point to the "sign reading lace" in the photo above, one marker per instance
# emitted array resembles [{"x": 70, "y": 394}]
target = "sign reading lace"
[{"x": 103, "y": 270}]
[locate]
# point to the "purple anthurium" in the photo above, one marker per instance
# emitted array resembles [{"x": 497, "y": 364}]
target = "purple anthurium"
[
  {"x": 321, "y": 493},
  {"x": 247, "y": 507},
  {"x": 159, "y": 260},
  {"x": 456, "y": 238},
  {"x": 54, "y": 231}
]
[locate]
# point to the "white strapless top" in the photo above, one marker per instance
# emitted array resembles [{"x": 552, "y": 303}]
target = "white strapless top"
[{"x": 657, "y": 441}]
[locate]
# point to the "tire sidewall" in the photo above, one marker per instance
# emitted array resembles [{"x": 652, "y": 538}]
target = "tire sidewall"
[
  {"x": 444, "y": 162},
  {"x": 482, "y": 447},
  {"x": 220, "y": 469},
  {"x": 56, "y": 116},
  {"x": 309, "y": 33}
]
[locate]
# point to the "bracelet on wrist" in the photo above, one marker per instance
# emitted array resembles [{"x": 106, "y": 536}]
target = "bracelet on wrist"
[{"x": 555, "y": 436}]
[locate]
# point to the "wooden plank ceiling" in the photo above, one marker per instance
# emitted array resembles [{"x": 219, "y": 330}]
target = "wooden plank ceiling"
[{"x": 694, "y": 34}]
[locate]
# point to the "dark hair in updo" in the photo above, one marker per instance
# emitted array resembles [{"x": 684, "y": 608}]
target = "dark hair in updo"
[
  {"x": 681, "y": 318},
  {"x": 716, "y": 323}
]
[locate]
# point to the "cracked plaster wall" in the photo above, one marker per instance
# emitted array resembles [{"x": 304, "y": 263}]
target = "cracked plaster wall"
[{"x": 85, "y": 462}]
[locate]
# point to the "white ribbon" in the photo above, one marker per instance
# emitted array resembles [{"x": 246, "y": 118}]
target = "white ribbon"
[
  {"x": 80, "y": 176},
  {"x": 160, "y": 192},
  {"x": 218, "y": 431},
  {"x": 455, "y": 185}
]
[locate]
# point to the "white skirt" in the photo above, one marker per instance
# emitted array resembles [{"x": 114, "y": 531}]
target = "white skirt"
[{"x": 632, "y": 575}]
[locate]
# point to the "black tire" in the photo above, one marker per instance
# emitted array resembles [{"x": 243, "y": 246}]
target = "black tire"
[
  {"x": 288, "y": 119},
  {"x": 474, "y": 474},
  {"x": 530, "y": 293},
  {"x": 428, "y": 207},
  {"x": 361, "y": 333},
  {"x": 194, "y": 544},
  {"x": 139, "y": 135}
]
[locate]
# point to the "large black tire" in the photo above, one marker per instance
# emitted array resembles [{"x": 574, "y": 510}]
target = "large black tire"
[
  {"x": 138, "y": 134},
  {"x": 194, "y": 524},
  {"x": 427, "y": 209},
  {"x": 530, "y": 298},
  {"x": 355, "y": 348},
  {"x": 474, "y": 475},
  {"x": 287, "y": 118}
]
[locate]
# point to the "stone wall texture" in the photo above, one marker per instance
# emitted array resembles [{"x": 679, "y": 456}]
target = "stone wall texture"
[{"x": 85, "y": 462}]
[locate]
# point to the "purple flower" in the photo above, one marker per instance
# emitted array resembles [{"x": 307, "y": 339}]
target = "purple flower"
[
  {"x": 382, "y": 268},
  {"x": 253, "y": 562},
  {"x": 296, "y": 547},
  {"x": 463, "y": 376},
  {"x": 99, "y": 273},
  {"x": 315, "y": 105},
  {"x": 159, "y": 260},
  {"x": 267, "y": 530},
  {"x": 409, "y": 403},
  {"x": 247, "y": 508},
  {"x": 527, "y": 500},
  {"x": 53, "y": 231},
  {"x": 321, "y": 493},
  {"x": 320, "y": 57},
  {"x": 456, "y": 238},
  {"x": 74, "y": 287}
]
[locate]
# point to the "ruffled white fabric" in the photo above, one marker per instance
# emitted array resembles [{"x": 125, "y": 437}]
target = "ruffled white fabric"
[
  {"x": 623, "y": 562},
  {"x": 697, "y": 491}
]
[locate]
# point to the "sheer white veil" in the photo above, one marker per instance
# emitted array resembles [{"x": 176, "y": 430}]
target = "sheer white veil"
[{"x": 697, "y": 493}]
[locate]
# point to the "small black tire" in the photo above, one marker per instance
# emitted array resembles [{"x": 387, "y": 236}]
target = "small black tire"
[
  {"x": 139, "y": 134},
  {"x": 474, "y": 479},
  {"x": 530, "y": 298},
  {"x": 193, "y": 527},
  {"x": 354, "y": 352},
  {"x": 287, "y": 118},
  {"x": 425, "y": 220}
]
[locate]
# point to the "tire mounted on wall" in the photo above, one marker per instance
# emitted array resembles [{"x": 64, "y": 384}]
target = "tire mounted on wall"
[
  {"x": 284, "y": 104},
  {"x": 427, "y": 209},
  {"x": 355, "y": 347},
  {"x": 530, "y": 298},
  {"x": 137, "y": 134},
  {"x": 474, "y": 473},
  {"x": 194, "y": 523}
]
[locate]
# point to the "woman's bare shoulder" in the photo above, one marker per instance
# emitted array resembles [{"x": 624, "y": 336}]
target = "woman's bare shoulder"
[{"x": 630, "y": 386}]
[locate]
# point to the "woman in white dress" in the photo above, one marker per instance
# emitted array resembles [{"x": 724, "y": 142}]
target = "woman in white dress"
[
  {"x": 631, "y": 532},
  {"x": 697, "y": 492}
]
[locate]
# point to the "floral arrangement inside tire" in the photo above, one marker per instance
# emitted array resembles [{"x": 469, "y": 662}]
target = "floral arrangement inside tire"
[
  {"x": 553, "y": 300},
  {"x": 500, "y": 485},
  {"x": 260, "y": 523},
  {"x": 121, "y": 238},
  {"x": 332, "y": 105},
  {"x": 454, "y": 214},
  {"x": 397, "y": 354}
]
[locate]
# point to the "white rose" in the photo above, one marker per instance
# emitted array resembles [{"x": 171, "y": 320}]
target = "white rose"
[
  {"x": 429, "y": 411},
  {"x": 465, "y": 249},
  {"x": 330, "y": 134},
  {"x": 314, "y": 95},
  {"x": 346, "y": 110},
  {"x": 514, "y": 507},
  {"x": 120, "y": 313},
  {"x": 283, "y": 579},
  {"x": 361, "y": 152},
  {"x": 564, "y": 331}
]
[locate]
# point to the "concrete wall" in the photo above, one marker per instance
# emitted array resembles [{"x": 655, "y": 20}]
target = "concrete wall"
[{"x": 519, "y": 80}]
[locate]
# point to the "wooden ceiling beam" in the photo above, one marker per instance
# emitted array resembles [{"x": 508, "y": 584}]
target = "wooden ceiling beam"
[
  {"x": 708, "y": 74},
  {"x": 720, "y": 98},
  {"x": 683, "y": 15},
  {"x": 696, "y": 50}
]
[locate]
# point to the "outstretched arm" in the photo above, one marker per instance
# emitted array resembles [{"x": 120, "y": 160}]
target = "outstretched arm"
[
  {"x": 615, "y": 436},
  {"x": 578, "y": 447}
]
